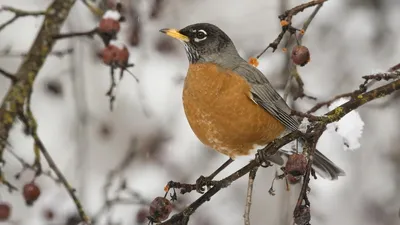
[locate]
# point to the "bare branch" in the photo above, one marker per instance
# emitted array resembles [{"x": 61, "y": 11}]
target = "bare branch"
[
  {"x": 293, "y": 72},
  {"x": 20, "y": 91},
  {"x": 17, "y": 14},
  {"x": 252, "y": 176},
  {"x": 94, "y": 9},
  {"x": 8, "y": 75},
  {"x": 89, "y": 34},
  {"x": 39, "y": 147},
  {"x": 57, "y": 53},
  {"x": 287, "y": 21}
]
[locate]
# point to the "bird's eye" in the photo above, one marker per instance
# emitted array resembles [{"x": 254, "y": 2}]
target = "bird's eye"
[{"x": 200, "y": 36}]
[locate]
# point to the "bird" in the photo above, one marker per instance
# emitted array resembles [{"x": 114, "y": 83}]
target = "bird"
[{"x": 229, "y": 104}]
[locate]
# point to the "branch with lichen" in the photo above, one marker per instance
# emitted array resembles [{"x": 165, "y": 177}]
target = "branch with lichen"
[{"x": 18, "y": 95}]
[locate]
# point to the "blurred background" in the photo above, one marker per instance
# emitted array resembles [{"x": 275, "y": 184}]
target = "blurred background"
[{"x": 147, "y": 139}]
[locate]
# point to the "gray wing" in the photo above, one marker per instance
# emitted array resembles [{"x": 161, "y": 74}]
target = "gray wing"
[{"x": 266, "y": 96}]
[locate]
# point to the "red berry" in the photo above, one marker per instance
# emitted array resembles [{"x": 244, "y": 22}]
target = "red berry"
[
  {"x": 5, "y": 211},
  {"x": 141, "y": 216},
  {"x": 31, "y": 193},
  {"x": 300, "y": 55},
  {"x": 160, "y": 208},
  {"x": 296, "y": 164},
  {"x": 108, "y": 25},
  {"x": 123, "y": 56},
  {"x": 109, "y": 54}
]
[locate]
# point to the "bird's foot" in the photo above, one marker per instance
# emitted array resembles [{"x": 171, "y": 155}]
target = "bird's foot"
[
  {"x": 202, "y": 182},
  {"x": 263, "y": 159}
]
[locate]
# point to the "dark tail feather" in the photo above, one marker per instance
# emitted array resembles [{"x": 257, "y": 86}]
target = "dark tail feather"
[{"x": 325, "y": 167}]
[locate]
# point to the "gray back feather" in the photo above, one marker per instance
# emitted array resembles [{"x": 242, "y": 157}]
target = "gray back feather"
[{"x": 266, "y": 96}]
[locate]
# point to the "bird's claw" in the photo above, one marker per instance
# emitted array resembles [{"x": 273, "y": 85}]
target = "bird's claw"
[
  {"x": 202, "y": 182},
  {"x": 262, "y": 159}
]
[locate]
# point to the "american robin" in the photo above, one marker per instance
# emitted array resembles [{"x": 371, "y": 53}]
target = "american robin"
[{"x": 230, "y": 105}]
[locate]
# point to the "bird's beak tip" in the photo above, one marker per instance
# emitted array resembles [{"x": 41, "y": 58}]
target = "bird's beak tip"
[
  {"x": 164, "y": 30},
  {"x": 175, "y": 34}
]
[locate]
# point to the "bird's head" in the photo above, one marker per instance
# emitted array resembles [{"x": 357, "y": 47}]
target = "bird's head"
[{"x": 203, "y": 41}]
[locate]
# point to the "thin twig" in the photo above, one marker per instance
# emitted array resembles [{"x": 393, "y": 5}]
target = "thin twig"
[
  {"x": 383, "y": 76},
  {"x": 26, "y": 166},
  {"x": 8, "y": 75},
  {"x": 3, "y": 181},
  {"x": 134, "y": 198},
  {"x": 17, "y": 14},
  {"x": 308, "y": 22},
  {"x": 111, "y": 91},
  {"x": 363, "y": 88},
  {"x": 31, "y": 123},
  {"x": 89, "y": 34},
  {"x": 252, "y": 176},
  {"x": 94, "y": 9},
  {"x": 31, "y": 126},
  {"x": 57, "y": 53},
  {"x": 26, "y": 74},
  {"x": 395, "y": 67},
  {"x": 302, "y": 216},
  {"x": 287, "y": 16},
  {"x": 294, "y": 73}
]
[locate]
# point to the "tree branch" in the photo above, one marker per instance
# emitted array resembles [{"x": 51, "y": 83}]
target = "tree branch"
[
  {"x": 17, "y": 14},
  {"x": 286, "y": 21},
  {"x": 252, "y": 176},
  {"x": 26, "y": 74},
  {"x": 94, "y": 9},
  {"x": 8, "y": 75},
  {"x": 20, "y": 91}
]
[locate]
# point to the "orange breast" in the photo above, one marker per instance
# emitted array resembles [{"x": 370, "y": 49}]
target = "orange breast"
[{"x": 221, "y": 113}]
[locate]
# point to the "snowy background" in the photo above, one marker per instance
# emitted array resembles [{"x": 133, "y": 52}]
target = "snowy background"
[{"x": 347, "y": 39}]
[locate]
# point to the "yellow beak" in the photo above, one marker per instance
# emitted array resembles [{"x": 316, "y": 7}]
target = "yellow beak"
[{"x": 175, "y": 34}]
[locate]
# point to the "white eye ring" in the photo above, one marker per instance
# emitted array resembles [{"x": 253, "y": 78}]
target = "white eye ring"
[{"x": 201, "y": 39}]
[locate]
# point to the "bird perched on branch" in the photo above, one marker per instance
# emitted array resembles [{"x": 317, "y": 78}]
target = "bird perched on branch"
[{"x": 230, "y": 105}]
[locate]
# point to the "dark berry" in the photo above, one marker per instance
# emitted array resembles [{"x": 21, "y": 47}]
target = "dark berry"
[
  {"x": 160, "y": 208},
  {"x": 296, "y": 165},
  {"x": 31, "y": 193},
  {"x": 141, "y": 216},
  {"x": 5, "y": 211},
  {"x": 300, "y": 55}
]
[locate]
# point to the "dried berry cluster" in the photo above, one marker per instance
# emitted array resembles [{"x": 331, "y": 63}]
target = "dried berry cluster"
[{"x": 109, "y": 26}]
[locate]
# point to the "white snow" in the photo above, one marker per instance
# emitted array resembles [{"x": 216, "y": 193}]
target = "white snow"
[
  {"x": 112, "y": 14},
  {"x": 350, "y": 127}
]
